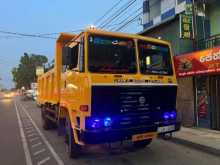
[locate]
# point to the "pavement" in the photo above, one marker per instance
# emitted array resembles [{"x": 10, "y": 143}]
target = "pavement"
[
  {"x": 199, "y": 138},
  {"x": 23, "y": 141}
]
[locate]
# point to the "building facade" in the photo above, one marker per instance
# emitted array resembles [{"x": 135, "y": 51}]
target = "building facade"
[{"x": 197, "y": 58}]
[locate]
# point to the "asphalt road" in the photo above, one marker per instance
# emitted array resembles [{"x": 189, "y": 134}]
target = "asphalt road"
[{"x": 23, "y": 141}]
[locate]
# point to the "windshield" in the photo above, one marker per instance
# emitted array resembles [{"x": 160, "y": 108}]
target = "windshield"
[
  {"x": 154, "y": 58},
  {"x": 112, "y": 55}
]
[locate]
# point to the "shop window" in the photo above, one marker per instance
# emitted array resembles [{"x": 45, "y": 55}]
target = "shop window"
[{"x": 203, "y": 114}]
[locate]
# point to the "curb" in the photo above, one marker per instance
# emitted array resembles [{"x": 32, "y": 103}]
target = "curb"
[{"x": 196, "y": 146}]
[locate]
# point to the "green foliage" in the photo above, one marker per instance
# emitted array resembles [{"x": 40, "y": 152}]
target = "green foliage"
[{"x": 25, "y": 73}]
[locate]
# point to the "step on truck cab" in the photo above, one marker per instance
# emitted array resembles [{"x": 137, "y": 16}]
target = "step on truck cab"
[{"x": 107, "y": 87}]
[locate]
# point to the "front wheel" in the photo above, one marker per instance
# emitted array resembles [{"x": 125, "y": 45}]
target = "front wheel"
[
  {"x": 142, "y": 144},
  {"x": 47, "y": 124},
  {"x": 73, "y": 149}
]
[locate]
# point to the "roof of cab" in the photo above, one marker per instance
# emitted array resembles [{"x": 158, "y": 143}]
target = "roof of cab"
[
  {"x": 129, "y": 35},
  {"x": 66, "y": 37}
]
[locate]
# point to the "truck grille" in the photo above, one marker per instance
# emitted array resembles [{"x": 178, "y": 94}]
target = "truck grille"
[{"x": 132, "y": 105}]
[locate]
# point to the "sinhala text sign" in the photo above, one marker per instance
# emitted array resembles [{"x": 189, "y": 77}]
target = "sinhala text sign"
[{"x": 197, "y": 63}]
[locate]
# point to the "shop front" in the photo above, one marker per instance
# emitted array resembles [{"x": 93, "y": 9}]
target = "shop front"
[{"x": 201, "y": 71}]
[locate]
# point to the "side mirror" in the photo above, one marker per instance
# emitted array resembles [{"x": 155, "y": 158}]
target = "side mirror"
[{"x": 66, "y": 55}]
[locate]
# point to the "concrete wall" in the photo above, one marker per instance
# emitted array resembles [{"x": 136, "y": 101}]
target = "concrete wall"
[
  {"x": 185, "y": 101},
  {"x": 170, "y": 32}
]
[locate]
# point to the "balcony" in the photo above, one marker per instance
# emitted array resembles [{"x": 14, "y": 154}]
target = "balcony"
[{"x": 210, "y": 42}]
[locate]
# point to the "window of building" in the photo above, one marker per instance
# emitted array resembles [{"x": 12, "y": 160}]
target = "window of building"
[
  {"x": 155, "y": 8},
  {"x": 166, "y": 5},
  {"x": 180, "y": 1}
]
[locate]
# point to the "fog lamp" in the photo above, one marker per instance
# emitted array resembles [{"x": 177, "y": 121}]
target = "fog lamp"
[
  {"x": 107, "y": 122},
  {"x": 173, "y": 115},
  {"x": 166, "y": 115},
  {"x": 95, "y": 123}
]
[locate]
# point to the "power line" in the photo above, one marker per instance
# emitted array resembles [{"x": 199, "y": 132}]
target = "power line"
[
  {"x": 127, "y": 18},
  {"x": 118, "y": 19},
  {"x": 117, "y": 13},
  {"x": 56, "y": 33},
  {"x": 8, "y": 37},
  {"x": 25, "y": 35},
  {"x": 128, "y": 22},
  {"x": 107, "y": 12}
]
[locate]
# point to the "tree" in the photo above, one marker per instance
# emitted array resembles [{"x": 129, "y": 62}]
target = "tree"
[{"x": 24, "y": 73}]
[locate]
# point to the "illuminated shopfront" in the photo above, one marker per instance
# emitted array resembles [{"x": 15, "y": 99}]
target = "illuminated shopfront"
[{"x": 203, "y": 67}]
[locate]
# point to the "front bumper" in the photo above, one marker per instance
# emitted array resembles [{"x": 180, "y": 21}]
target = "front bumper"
[
  {"x": 113, "y": 135},
  {"x": 176, "y": 124}
]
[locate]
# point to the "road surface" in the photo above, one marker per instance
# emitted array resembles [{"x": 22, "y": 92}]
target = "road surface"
[{"x": 23, "y": 141}]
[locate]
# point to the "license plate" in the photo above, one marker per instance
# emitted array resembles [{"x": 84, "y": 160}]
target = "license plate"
[
  {"x": 144, "y": 136},
  {"x": 166, "y": 129}
]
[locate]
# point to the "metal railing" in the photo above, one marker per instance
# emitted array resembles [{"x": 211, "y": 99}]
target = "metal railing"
[{"x": 210, "y": 42}]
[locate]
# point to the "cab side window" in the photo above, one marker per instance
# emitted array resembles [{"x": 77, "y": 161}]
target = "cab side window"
[
  {"x": 74, "y": 57},
  {"x": 70, "y": 57},
  {"x": 81, "y": 55}
]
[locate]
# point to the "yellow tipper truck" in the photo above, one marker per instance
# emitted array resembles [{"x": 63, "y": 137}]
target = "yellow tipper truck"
[{"x": 107, "y": 87}]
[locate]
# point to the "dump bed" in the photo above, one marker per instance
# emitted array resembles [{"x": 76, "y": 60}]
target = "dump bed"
[
  {"x": 46, "y": 90},
  {"x": 49, "y": 82}
]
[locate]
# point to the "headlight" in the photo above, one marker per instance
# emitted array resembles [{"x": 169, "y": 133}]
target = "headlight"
[
  {"x": 169, "y": 115},
  {"x": 107, "y": 122},
  {"x": 96, "y": 123}
]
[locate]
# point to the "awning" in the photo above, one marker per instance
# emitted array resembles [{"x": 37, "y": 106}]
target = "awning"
[{"x": 198, "y": 63}]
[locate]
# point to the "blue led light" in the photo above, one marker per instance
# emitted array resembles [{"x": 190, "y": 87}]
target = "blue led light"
[
  {"x": 107, "y": 122},
  {"x": 169, "y": 115},
  {"x": 173, "y": 115},
  {"x": 95, "y": 123},
  {"x": 166, "y": 115}
]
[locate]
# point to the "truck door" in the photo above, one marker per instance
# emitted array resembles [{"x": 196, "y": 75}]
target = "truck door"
[{"x": 73, "y": 74}]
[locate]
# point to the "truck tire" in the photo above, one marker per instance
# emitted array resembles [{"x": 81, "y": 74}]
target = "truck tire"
[
  {"x": 73, "y": 149},
  {"x": 47, "y": 124},
  {"x": 142, "y": 144}
]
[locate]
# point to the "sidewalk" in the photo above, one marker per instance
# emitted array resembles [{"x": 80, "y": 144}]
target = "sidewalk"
[{"x": 199, "y": 138}]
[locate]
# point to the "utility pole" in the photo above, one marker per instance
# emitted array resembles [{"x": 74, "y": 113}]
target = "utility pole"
[{"x": 195, "y": 47}]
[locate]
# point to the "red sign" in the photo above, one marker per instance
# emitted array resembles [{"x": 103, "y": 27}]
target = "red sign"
[{"x": 197, "y": 63}]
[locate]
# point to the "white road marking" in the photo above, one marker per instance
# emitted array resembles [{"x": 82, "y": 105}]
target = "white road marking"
[
  {"x": 43, "y": 161},
  {"x": 30, "y": 131},
  {"x": 38, "y": 152},
  {"x": 33, "y": 139},
  {"x": 27, "y": 128},
  {"x": 31, "y": 135},
  {"x": 55, "y": 155},
  {"x": 35, "y": 145},
  {"x": 27, "y": 125},
  {"x": 23, "y": 138}
]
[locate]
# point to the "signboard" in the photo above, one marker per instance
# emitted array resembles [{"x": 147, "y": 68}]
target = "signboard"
[
  {"x": 197, "y": 63},
  {"x": 189, "y": 8},
  {"x": 186, "y": 26},
  {"x": 39, "y": 70},
  {"x": 186, "y": 21}
]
